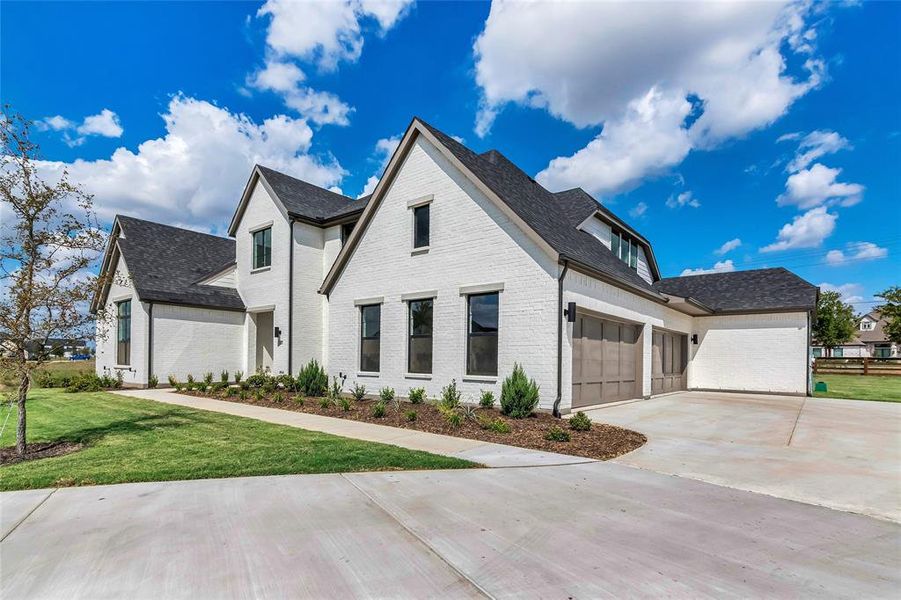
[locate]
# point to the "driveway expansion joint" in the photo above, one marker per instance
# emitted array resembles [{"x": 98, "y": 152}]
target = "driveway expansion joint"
[{"x": 30, "y": 512}]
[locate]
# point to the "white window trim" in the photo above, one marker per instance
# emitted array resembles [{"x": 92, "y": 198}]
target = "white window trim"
[
  {"x": 419, "y": 295},
  {"x": 253, "y": 229},
  {"x": 421, "y": 201},
  {"x": 411, "y": 206},
  {"x": 481, "y": 288},
  {"x": 261, "y": 269},
  {"x": 368, "y": 301}
]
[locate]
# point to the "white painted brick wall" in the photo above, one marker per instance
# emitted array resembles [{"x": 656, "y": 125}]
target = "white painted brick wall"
[
  {"x": 122, "y": 289},
  {"x": 196, "y": 340},
  {"x": 763, "y": 353},
  {"x": 472, "y": 242}
]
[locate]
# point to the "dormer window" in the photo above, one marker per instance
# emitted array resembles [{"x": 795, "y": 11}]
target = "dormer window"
[
  {"x": 625, "y": 248},
  {"x": 866, "y": 325}
]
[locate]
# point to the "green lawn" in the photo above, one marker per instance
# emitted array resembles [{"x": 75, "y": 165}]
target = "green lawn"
[
  {"x": 139, "y": 440},
  {"x": 860, "y": 387}
]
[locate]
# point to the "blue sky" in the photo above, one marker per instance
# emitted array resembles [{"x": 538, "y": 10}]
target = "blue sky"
[{"x": 774, "y": 125}]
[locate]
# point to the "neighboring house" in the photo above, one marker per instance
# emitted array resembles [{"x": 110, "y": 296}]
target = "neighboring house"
[
  {"x": 456, "y": 267},
  {"x": 50, "y": 348},
  {"x": 869, "y": 341}
]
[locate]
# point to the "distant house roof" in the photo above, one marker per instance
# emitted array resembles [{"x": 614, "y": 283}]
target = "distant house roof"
[
  {"x": 166, "y": 263},
  {"x": 740, "y": 291},
  {"x": 875, "y": 335}
]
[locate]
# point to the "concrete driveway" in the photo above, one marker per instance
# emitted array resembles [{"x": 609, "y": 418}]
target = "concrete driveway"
[
  {"x": 581, "y": 531},
  {"x": 844, "y": 454}
]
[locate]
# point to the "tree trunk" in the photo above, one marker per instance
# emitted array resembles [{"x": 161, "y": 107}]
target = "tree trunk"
[{"x": 20, "y": 429}]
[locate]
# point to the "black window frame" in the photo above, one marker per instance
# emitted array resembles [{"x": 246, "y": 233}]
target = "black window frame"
[
  {"x": 482, "y": 334},
  {"x": 258, "y": 261},
  {"x": 411, "y": 335},
  {"x": 123, "y": 346},
  {"x": 422, "y": 239},
  {"x": 364, "y": 338},
  {"x": 346, "y": 230}
]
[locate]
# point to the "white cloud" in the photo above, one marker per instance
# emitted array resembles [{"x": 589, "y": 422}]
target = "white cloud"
[
  {"x": 703, "y": 76},
  {"x": 56, "y": 123},
  {"x": 724, "y": 266},
  {"x": 277, "y": 76},
  {"x": 683, "y": 199},
  {"x": 813, "y": 146},
  {"x": 639, "y": 209},
  {"x": 857, "y": 252},
  {"x": 106, "y": 123},
  {"x": 850, "y": 292},
  {"x": 384, "y": 148},
  {"x": 191, "y": 175},
  {"x": 728, "y": 246},
  {"x": 805, "y": 231},
  {"x": 817, "y": 185}
]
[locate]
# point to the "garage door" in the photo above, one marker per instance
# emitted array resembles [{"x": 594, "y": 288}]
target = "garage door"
[
  {"x": 669, "y": 357},
  {"x": 605, "y": 361}
]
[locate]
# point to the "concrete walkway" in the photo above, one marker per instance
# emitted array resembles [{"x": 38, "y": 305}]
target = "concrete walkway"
[
  {"x": 484, "y": 453},
  {"x": 844, "y": 454},
  {"x": 595, "y": 530}
]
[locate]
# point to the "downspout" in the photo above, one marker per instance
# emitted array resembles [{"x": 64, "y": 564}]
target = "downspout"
[
  {"x": 560, "y": 339},
  {"x": 149, "y": 341},
  {"x": 290, "y": 297}
]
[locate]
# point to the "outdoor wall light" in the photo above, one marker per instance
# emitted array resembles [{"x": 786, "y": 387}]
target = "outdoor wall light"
[
  {"x": 570, "y": 312},
  {"x": 278, "y": 332},
  {"x": 694, "y": 339}
]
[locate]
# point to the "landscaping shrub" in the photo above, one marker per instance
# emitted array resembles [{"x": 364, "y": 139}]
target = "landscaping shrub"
[
  {"x": 287, "y": 382},
  {"x": 108, "y": 381},
  {"x": 453, "y": 418},
  {"x": 519, "y": 394},
  {"x": 257, "y": 380},
  {"x": 257, "y": 395},
  {"x": 269, "y": 384},
  {"x": 325, "y": 402},
  {"x": 555, "y": 434},
  {"x": 87, "y": 382},
  {"x": 239, "y": 375},
  {"x": 417, "y": 395},
  {"x": 345, "y": 404},
  {"x": 378, "y": 409},
  {"x": 190, "y": 379},
  {"x": 49, "y": 379},
  {"x": 177, "y": 386},
  {"x": 312, "y": 380},
  {"x": 230, "y": 391},
  {"x": 202, "y": 386},
  {"x": 153, "y": 381},
  {"x": 217, "y": 386},
  {"x": 450, "y": 395},
  {"x": 580, "y": 422},
  {"x": 278, "y": 398},
  {"x": 334, "y": 390},
  {"x": 487, "y": 399},
  {"x": 223, "y": 376},
  {"x": 496, "y": 425},
  {"x": 358, "y": 392},
  {"x": 468, "y": 413},
  {"x": 299, "y": 400},
  {"x": 386, "y": 395},
  {"x": 208, "y": 377},
  {"x": 410, "y": 415},
  {"x": 120, "y": 379},
  {"x": 173, "y": 382},
  {"x": 243, "y": 395}
]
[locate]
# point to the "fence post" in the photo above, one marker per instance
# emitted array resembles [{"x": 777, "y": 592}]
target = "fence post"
[{"x": 866, "y": 365}]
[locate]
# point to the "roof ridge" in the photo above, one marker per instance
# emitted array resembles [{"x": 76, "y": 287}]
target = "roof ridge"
[
  {"x": 185, "y": 229},
  {"x": 305, "y": 182}
]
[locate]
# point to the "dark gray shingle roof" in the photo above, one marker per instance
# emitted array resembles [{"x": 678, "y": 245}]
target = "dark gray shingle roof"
[
  {"x": 166, "y": 263},
  {"x": 760, "y": 289},
  {"x": 310, "y": 201}
]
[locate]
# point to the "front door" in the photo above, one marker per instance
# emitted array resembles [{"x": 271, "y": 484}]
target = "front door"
[{"x": 264, "y": 322}]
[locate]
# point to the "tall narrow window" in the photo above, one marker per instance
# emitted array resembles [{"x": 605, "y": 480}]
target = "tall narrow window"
[
  {"x": 421, "y": 226},
  {"x": 481, "y": 339},
  {"x": 419, "y": 352},
  {"x": 370, "y": 334},
  {"x": 123, "y": 333},
  {"x": 624, "y": 248},
  {"x": 262, "y": 248},
  {"x": 346, "y": 230},
  {"x": 633, "y": 255},
  {"x": 614, "y": 244}
]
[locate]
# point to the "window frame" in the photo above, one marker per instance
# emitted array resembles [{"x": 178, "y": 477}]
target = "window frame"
[
  {"x": 346, "y": 230},
  {"x": 120, "y": 344},
  {"x": 253, "y": 248},
  {"x": 417, "y": 210},
  {"x": 624, "y": 247},
  {"x": 363, "y": 338},
  {"x": 411, "y": 336},
  {"x": 469, "y": 334}
]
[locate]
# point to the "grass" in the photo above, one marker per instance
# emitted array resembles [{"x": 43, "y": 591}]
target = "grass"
[
  {"x": 860, "y": 387},
  {"x": 130, "y": 439}
]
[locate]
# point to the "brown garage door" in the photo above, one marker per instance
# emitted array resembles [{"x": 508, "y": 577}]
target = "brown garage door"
[
  {"x": 669, "y": 357},
  {"x": 605, "y": 361}
]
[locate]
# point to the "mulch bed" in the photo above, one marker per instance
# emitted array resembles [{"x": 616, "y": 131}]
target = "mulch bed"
[
  {"x": 8, "y": 455},
  {"x": 601, "y": 442}
]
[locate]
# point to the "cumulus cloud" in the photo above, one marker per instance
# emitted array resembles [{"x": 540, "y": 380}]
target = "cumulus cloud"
[
  {"x": 807, "y": 230},
  {"x": 856, "y": 252},
  {"x": 702, "y": 76},
  {"x": 724, "y": 266},
  {"x": 683, "y": 199},
  {"x": 728, "y": 247},
  {"x": 384, "y": 148},
  {"x": 813, "y": 146},
  {"x": 192, "y": 175},
  {"x": 817, "y": 185},
  {"x": 850, "y": 292},
  {"x": 105, "y": 123}
]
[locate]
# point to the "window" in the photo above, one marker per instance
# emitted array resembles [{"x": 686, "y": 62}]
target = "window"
[
  {"x": 817, "y": 352},
  {"x": 421, "y": 226},
  {"x": 882, "y": 351},
  {"x": 866, "y": 325},
  {"x": 262, "y": 248},
  {"x": 419, "y": 347},
  {"x": 346, "y": 230},
  {"x": 481, "y": 339},
  {"x": 625, "y": 248},
  {"x": 370, "y": 332},
  {"x": 838, "y": 352},
  {"x": 123, "y": 333}
]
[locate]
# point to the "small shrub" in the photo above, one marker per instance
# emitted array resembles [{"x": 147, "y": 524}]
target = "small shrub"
[
  {"x": 450, "y": 395},
  {"x": 345, "y": 404},
  {"x": 334, "y": 390},
  {"x": 173, "y": 382},
  {"x": 580, "y": 422},
  {"x": 201, "y": 386},
  {"x": 257, "y": 380},
  {"x": 120, "y": 379},
  {"x": 178, "y": 387},
  {"x": 208, "y": 377},
  {"x": 223, "y": 376},
  {"x": 230, "y": 391},
  {"x": 325, "y": 402},
  {"x": 239, "y": 375},
  {"x": 468, "y": 413},
  {"x": 299, "y": 400},
  {"x": 410, "y": 415},
  {"x": 555, "y": 434},
  {"x": 269, "y": 385},
  {"x": 86, "y": 382},
  {"x": 278, "y": 398},
  {"x": 287, "y": 382},
  {"x": 243, "y": 395},
  {"x": 417, "y": 395},
  {"x": 257, "y": 395},
  {"x": 358, "y": 392},
  {"x": 108, "y": 381},
  {"x": 497, "y": 425},
  {"x": 386, "y": 395},
  {"x": 190, "y": 379},
  {"x": 313, "y": 380},
  {"x": 453, "y": 418},
  {"x": 153, "y": 381},
  {"x": 519, "y": 394},
  {"x": 378, "y": 409},
  {"x": 487, "y": 399}
]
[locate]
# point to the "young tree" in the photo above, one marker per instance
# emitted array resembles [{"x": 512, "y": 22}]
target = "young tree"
[
  {"x": 891, "y": 312},
  {"x": 49, "y": 237},
  {"x": 835, "y": 321}
]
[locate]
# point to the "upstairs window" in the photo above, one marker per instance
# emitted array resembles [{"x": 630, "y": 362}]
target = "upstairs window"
[
  {"x": 370, "y": 337},
  {"x": 421, "y": 226},
  {"x": 481, "y": 339},
  {"x": 625, "y": 248},
  {"x": 123, "y": 333},
  {"x": 262, "y": 248},
  {"x": 346, "y": 230},
  {"x": 866, "y": 325}
]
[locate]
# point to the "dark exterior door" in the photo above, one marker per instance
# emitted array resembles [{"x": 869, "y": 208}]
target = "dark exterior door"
[
  {"x": 669, "y": 358},
  {"x": 605, "y": 361}
]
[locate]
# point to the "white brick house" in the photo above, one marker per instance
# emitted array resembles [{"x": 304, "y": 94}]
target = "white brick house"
[{"x": 456, "y": 267}]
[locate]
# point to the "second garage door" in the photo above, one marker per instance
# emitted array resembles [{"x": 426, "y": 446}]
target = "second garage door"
[
  {"x": 605, "y": 361},
  {"x": 669, "y": 358}
]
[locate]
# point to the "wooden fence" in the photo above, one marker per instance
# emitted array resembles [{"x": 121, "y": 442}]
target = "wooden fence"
[{"x": 857, "y": 366}]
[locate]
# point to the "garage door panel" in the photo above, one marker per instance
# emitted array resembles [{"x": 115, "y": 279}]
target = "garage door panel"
[
  {"x": 607, "y": 351},
  {"x": 669, "y": 354}
]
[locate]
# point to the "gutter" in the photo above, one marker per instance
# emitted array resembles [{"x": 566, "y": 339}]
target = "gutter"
[
  {"x": 556, "y": 410},
  {"x": 149, "y": 341},
  {"x": 290, "y": 293}
]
